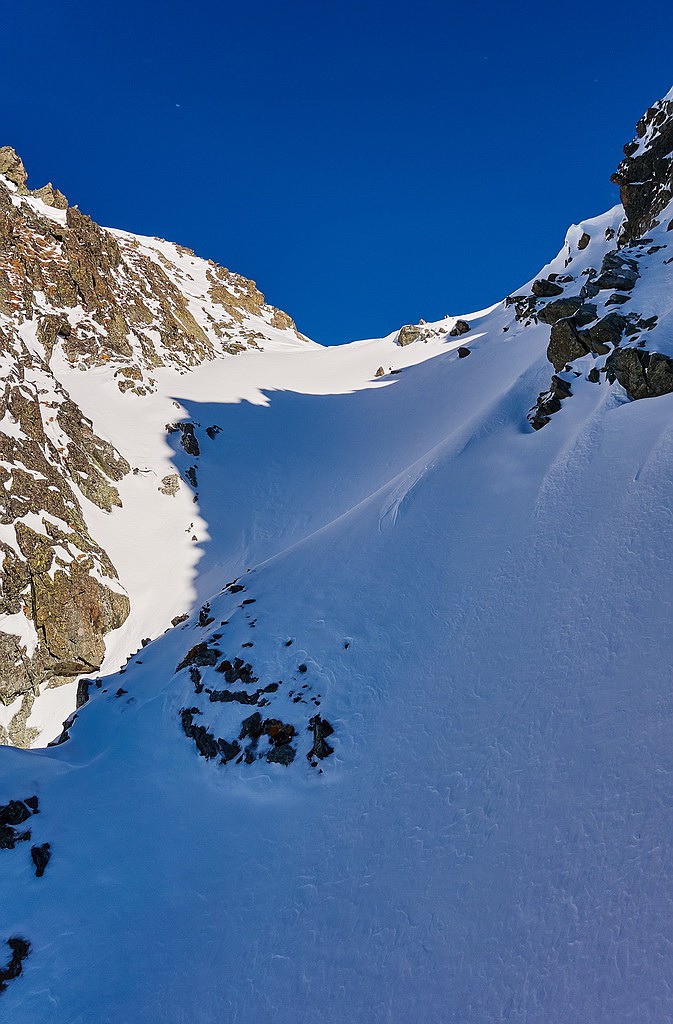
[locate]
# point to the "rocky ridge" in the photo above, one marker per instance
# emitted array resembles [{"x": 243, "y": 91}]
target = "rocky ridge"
[{"x": 75, "y": 294}]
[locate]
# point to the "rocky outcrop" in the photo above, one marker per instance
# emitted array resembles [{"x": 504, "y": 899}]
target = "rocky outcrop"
[
  {"x": 408, "y": 334},
  {"x": 94, "y": 297},
  {"x": 19, "y": 950},
  {"x": 645, "y": 175},
  {"x": 58, "y": 588},
  {"x": 642, "y": 374},
  {"x": 12, "y": 168},
  {"x": 549, "y": 402},
  {"x": 105, "y": 298},
  {"x": 543, "y": 288}
]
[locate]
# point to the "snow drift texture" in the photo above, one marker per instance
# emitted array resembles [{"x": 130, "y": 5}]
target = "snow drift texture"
[{"x": 405, "y": 753}]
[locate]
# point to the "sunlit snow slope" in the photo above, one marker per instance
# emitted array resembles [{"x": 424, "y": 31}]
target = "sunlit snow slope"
[{"x": 481, "y": 614}]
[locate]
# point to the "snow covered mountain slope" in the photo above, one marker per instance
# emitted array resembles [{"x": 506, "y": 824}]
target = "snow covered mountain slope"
[{"x": 408, "y": 756}]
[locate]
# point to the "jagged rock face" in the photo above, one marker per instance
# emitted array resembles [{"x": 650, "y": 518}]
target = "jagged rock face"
[
  {"x": 645, "y": 175},
  {"x": 11, "y": 167},
  {"x": 96, "y": 298},
  {"x": 59, "y": 593},
  {"x": 107, "y": 298}
]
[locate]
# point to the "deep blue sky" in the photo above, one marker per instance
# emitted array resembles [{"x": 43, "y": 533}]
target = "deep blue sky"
[{"x": 366, "y": 163}]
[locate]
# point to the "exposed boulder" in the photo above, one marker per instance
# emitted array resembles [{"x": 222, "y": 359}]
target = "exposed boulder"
[
  {"x": 617, "y": 271},
  {"x": 565, "y": 344},
  {"x": 408, "y": 334},
  {"x": 20, "y": 948},
  {"x": 571, "y": 337},
  {"x": 41, "y": 855},
  {"x": 608, "y": 331},
  {"x": 459, "y": 328},
  {"x": 321, "y": 729},
  {"x": 549, "y": 402},
  {"x": 559, "y": 309},
  {"x": 642, "y": 374},
  {"x": 543, "y": 288},
  {"x": 201, "y": 654}
]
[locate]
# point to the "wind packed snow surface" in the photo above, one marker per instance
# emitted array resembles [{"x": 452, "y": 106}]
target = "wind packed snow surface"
[{"x": 480, "y": 612}]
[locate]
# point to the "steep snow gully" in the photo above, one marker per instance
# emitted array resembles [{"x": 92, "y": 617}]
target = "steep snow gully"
[{"x": 406, "y": 753}]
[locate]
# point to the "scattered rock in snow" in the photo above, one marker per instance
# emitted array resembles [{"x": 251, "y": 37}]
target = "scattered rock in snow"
[
  {"x": 41, "y": 856},
  {"x": 170, "y": 484},
  {"x": 206, "y": 743},
  {"x": 237, "y": 671},
  {"x": 459, "y": 328},
  {"x": 321, "y": 730},
  {"x": 549, "y": 402},
  {"x": 200, "y": 654},
  {"x": 20, "y": 948}
]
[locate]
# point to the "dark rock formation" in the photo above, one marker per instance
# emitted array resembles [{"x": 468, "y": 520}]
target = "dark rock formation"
[
  {"x": 321, "y": 729},
  {"x": 645, "y": 175},
  {"x": 559, "y": 309},
  {"x": 229, "y": 751},
  {"x": 282, "y": 754},
  {"x": 565, "y": 344},
  {"x": 607, "y": 332},
  {"x": 20, "y": 948},
  {"x": 201, "y": 654},
  {"x": 41, "y": 856},
  {"x": 206, "y": 744},
  {"x": 459, "y": 328},
  {"x": 642, "y": 374},
  {"x": 543, "y": 288},
  {"x": 239, "y": 670},
  {"x": 251, "y": 728},
  {"x": 549, "y": 402},
  {"x": 12, "y": 815},
  {"x": 617, "y": 271}
]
